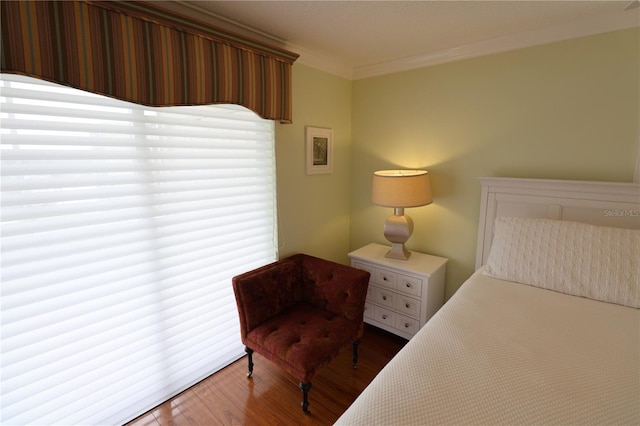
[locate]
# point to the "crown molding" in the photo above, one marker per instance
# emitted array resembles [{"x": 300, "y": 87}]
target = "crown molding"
[
  {"x": 602, "y": 24},
  {"x": 311, "y": 59},
  {"x": 321, "y": 62},
  {"x": 195, "y": 11}
]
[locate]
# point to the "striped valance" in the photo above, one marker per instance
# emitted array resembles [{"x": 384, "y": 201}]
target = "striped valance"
[{"x": 137, "y": 52}]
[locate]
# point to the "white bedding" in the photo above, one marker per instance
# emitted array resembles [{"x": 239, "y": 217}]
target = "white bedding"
[{"x": 505, "y": 353}]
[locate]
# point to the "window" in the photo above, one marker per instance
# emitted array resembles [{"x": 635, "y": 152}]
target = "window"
[{"x": 122, "y": 226}]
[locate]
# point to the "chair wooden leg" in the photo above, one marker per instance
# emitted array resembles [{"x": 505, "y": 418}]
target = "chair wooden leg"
[
  {"x": 249, "y": 352},
  {"x": 304, "y": 387},
  {"x": 355, "y": 353}
]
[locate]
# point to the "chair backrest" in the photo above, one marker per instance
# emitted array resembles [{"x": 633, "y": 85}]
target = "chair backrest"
[
  {"x": 267, "y": 291},
  {"x": 337, "y": 288},
  {"x": 278, "y": 286}
]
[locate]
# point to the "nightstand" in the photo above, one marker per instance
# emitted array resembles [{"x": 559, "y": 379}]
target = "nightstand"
[{"x": 403, "y": 294}]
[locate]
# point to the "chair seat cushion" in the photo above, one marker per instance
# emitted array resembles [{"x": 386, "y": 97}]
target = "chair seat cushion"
[{"x": 303, "y": 339}]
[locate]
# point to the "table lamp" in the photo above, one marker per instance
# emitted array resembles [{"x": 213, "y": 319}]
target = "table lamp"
[{"x": 400, "y": 189}]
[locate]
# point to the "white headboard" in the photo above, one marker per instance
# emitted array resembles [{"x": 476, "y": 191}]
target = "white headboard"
[{"x": 615, "y": 204}]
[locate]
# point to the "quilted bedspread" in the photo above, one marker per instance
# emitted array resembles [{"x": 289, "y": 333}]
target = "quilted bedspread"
[{"x": 504, "y": 353}]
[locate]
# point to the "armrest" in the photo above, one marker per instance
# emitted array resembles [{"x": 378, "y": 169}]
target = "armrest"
[
  {"x": 335, "y": 287},
  {"x": 266, "y": 291}
]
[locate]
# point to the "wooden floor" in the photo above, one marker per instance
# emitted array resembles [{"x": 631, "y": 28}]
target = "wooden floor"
[{"x": 272, "y": 397}]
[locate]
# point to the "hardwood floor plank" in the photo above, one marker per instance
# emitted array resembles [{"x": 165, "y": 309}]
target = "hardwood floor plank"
[
  {"x": 168, "y": 414},
  {"x": 194, "y": 411},
  {"x": 218, "y": 408},
  {"x": 272, "y": 397},
  {"x": 146, "y": 420}
]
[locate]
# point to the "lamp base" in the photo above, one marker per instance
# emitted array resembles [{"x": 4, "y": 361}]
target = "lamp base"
[
  {"x": 398, "y": 251},
  {"x": 398, "y": 229}
]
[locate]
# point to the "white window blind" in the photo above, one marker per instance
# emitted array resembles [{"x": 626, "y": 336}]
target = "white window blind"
[{"x": 122, "y": 227}]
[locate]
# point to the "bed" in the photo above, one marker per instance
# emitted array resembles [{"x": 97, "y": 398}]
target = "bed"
[{"x": 547, "y": 329}]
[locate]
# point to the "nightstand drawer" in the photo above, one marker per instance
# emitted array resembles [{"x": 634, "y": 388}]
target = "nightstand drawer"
[
  {"x": 384, "y": 297},
  {"x": 368, "y": 310},
  {"x": 371, "y": 293},
  {"x": 410, "y": 285},
  {"x": 408, "y": 306},
  {"x": 406, "y": 324},
  {"x": 384, "y": 316},
  {"x": 386, "y": 278}
]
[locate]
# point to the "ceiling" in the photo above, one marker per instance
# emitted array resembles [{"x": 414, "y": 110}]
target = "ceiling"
[{"x": 358, "y": 39}]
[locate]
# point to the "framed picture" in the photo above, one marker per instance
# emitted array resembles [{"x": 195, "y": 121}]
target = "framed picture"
[{"x": 319, "y": 150}]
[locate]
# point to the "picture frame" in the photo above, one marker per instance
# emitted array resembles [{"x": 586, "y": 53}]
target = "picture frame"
[{"x": 319, "y": 150}]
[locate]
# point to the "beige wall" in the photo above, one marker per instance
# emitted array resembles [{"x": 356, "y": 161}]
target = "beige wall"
[
  {"x": 314, "y": 210},
  {"x": 567, "y": 110}
]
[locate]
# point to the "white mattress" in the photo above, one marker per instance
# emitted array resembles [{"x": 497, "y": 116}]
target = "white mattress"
[{"x": 506, "y": 353}]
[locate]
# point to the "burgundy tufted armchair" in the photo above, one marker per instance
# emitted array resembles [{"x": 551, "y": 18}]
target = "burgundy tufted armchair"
[{"x": 300, "y": 312}]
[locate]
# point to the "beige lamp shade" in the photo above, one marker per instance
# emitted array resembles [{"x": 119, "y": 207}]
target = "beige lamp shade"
[{"x": 401, "y": 188}]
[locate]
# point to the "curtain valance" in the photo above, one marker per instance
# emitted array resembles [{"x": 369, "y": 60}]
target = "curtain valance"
[{"x": 137, "y": 52}]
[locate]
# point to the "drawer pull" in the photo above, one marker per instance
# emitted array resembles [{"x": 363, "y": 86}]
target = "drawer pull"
[
  {"x": 385, "y": 278},
  {"x": 384, "y": 317},
  {"x": 407, "y": 305},
  {"x": 406, "y": 325},
  {"x": 408, "y": 285},
  {"x": 384, "y": 297}
]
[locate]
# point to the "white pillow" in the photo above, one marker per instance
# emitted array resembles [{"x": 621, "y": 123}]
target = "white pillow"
[{"x": 591, "y": 261}]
